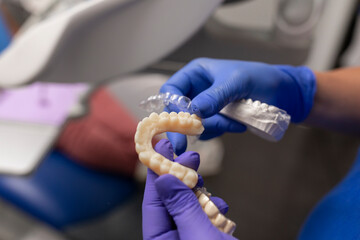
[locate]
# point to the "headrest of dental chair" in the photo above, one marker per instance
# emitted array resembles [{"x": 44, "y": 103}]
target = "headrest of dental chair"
[{"x": 96, "y": 40}]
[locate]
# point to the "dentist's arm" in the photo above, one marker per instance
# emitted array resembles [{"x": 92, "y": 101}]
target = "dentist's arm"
[{"x": 337, "y": 101}]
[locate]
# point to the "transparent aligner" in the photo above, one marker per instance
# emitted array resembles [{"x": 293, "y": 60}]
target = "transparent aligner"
[
  {"x": 153, "y": 103},
  {"x": 173, "y": 101}
]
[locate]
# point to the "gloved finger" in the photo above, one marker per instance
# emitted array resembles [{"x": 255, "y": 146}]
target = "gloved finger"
[
  {"x": 178, "y": 141},
  {"x": 173, "y": 235},
  {"x": 212, "y": 100},
  {"x": 189, "y": 159},
  {"x": 207, "y": 136},
  {"x": 152, "y": 206},
  {"x": 183, "y": 206},
  {"x": 200, "y": 182},
  {"x": 221, "y": 204},
  {"x": 218, "y": 125},
  {"x": 165, "y": 148},
  {"x": 221, "y": 123},
  {"x": 188, "y": 81},
  {"x": 192, "y": 160}
]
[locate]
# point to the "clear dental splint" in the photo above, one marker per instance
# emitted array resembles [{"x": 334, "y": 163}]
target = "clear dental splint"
[{"x": 266, "y": 121}]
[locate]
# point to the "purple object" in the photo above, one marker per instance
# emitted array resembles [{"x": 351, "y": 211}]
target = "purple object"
[
  {"x": 44, "y": 103},
  {"x": 171, "y": 210}
]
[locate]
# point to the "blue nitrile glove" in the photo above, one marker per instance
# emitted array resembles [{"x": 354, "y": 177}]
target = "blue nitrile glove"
[
  {"x": 171, "y": 210},
  {"x": 211, "y": 84},
  {"x": 337, "y": 216}
]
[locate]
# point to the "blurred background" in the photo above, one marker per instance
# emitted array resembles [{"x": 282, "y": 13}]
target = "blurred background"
[{"x": 73, "y": 72}]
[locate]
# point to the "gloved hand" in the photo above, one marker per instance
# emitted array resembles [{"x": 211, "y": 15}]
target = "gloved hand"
[
  {"x": 171, "y": 210},
  {"x": 212, "y": 84}
]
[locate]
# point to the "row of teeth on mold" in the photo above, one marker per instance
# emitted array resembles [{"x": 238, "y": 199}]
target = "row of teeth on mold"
[
  {"x": 186, "y": 124},
  {"x": 217, "y": 219},
  {"x": 262, "y": 106},
  {"x": 155, "y": 124}
]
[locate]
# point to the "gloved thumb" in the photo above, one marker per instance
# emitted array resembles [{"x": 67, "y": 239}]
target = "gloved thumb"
[
  {"x": 183, "y": 206},
  {"x": 215, "y": 98}
]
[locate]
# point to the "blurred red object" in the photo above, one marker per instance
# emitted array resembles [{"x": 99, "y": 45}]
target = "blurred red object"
[{"x": 103, "y": 139}]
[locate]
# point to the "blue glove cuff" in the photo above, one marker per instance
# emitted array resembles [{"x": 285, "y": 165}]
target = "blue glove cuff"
[{"x": 306, "y": 81}]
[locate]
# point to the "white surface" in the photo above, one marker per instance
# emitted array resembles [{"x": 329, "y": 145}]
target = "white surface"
[
  {"x": 330, "y": 33},
  {"x": 98, "y": 39},
  {"x": 36, "y": 6},
  {"x": 23, "y": 145},
  {"x": 326, "y": 37},
  {"x": 254, "y": 14}
]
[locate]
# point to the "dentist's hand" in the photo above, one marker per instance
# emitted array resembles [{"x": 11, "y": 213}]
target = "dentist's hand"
[
  {"x": 171, "y": 210},
  {"x": 212, "y": 84}
]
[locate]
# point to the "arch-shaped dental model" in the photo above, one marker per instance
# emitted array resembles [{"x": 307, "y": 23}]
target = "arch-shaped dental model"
[{"x": 189, "y": 125}]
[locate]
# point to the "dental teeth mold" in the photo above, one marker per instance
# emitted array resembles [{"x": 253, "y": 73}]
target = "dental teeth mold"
[
  {"x": 187, "y": 124},
  {"x": 266, "y": 121},
  {"x": 155, "y": 124}
]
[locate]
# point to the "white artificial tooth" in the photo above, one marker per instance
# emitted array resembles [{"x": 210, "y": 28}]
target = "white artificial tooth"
[
  {"x": 145, "y": 157},
  {"x": 177, "y": 170},
  {"x": 211, "y": 209},
  {"x": 140, "y": 138},
  {"x": 273, "y": 109},
  {"x": 155, "y": 162},
  {"x": 183, "y": 122},
  {"x": 164, "y": 115},
  {"x": 203, "y": 199},
  {"x": 173, "y": 114},
  {"x": 229, "y": 227},
  {"x": 138, "y": 126},
  {"x": 194, "y": 116},
  {"x": 181, "y": 114},
  {"x": 264, "y": 106},
  {"x": 249, "y": 101},
  {"x": 187, "y": 115},
  {"x": 165, "y": 167},
  {"x": 197, "y": 123},
  {"x": 190, "y": 179},
  {"x": 256, "y": 103},
  {"x": 219, "y": 221},
  {"x": 154, "y": 117},
  {"x": 189, "y": 121},
  {"x": 139, "y": 148}
]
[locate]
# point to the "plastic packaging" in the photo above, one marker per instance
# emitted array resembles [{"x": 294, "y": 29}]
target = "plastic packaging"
[{"x": 265, "y": 121}]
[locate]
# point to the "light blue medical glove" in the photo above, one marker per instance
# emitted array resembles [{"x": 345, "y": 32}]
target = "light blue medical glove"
[
  {"x": 212, "y": 84},
  {"x": 171, "y": 210}
]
